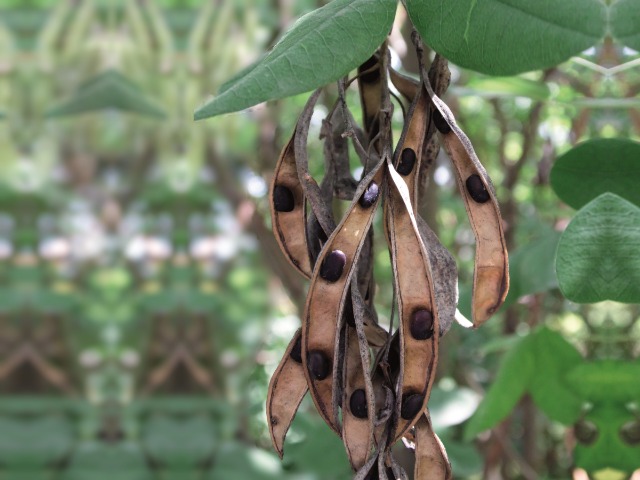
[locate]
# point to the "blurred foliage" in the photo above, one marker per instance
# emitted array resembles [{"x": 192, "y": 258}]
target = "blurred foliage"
[{"x": 144, "y": 304}]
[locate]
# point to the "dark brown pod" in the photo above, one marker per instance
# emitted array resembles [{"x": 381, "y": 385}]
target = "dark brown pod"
[
  {"x": 440, "y": 123},
  {"x": 370, "y": 195},
  {"x": 333, "y": 265},
  {"x": 296, "y": 351},
  {"x": 421, "y": 326},
  {"x": 319, "y": 365},
  {"x": 358, "y": 403},
  {"x": 283, "y": 200},
  {"x": 477, "y": 190},
  {"x": 407, "y": 161},
  {"x": 411, "y": 405}
]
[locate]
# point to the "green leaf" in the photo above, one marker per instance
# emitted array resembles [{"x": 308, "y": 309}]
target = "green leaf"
[
  {"x": 506, "y": 37},
  {"x": 243, "y": 462},
  {"x": 99, "y": 461},
  {"x": 595, "y": 167},
  {"x": 551, "y": 391},
  {"x": 606, "y": 381},
  {"x": 495, "y": 87},
  {"x": 34, "y": 442},
  {"x": 625, "y": 22},
  {"x": 599, "y": 252},
  {"x": 532, "y": 267},
  {"x": 321, "y": 47},
  {"x": 514, "y": 376},
  {"x": 108, "y": 90}
]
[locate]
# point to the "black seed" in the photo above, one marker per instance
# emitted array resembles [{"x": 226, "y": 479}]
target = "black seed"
[
  {"x": 586, "y": 432},
  {"x": 407, "y": 161},
  {"x": 283, "y": 200},
  {"x": 411, "y": 405},
  {"x": 318, "y": 364},
  {"x": 630, "y": 432},
  {"x": 333, "y": 265},
  {"x": 358, "y": 403},
  {"x": 421, "y": 324},
  {"x": 440, "y": 123},
  {"x": 296, "y": 351},
  {"x": 476, "y": 188},
  {"x": 370, "y": 195}
]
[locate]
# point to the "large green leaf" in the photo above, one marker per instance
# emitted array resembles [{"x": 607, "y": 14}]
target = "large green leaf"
[
  {"x": 625, "y": 22},
  {"x": 321, "y": 47},
  {"x": 505, "y": 37},
  {"x": 595, "y": 167},
  {"x": 514, "y": 376},
  {"x": 108, "y": 90},
  {"x": 599, "y": 252},
  {"x": 607, "y": 381},
  {"x": 495, "y": 87}
]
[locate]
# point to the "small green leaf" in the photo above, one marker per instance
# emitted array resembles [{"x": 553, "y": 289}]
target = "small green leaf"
[
  {"x": 501, "y": 37},
  {"x": 514, "y": 376},
  {"x": 321, "y": 47},
  {"x": 625, "y": 22},
  {"x": 595, "y": 167},
  {"x": 108, "y": 90},
  {"x": 599, "y": 252}
]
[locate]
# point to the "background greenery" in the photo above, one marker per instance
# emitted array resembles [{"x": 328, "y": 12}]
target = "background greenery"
[{"x": 144, "y": 303}]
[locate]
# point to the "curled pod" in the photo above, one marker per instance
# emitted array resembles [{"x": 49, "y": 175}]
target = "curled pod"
[
  {"x": 491, "y": 273},
  {"x": 288, "y": 211},
  {"x": 431, "y": 457},
  {"x": 407, "y": 86},
  {"x": 322, "y": 318},
  {"x": 417, "y": 307},
  {"x": 286, "y": 390}
]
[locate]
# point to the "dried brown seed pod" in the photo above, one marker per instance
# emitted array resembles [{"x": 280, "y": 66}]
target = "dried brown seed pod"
[
  {"x": 431, "y": 456},
  {"x": 288, "y": 211},
  {"x": 491, "y": 274},
  {"x": 415, "y": 293},
  {"x": 322, "y": 317},
  {"x": 286, "y": 390}
]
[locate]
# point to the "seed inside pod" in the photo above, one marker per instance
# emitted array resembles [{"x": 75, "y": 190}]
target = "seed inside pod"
[
  {"x": 319, "y": 365},
  {"x": 370, "y": 195},
  {"x": 411, "y": 405},
  {"x": 440, "y": 123},
  {"x": 358, "y": 403},
  {"x": 407, "y": 161},
  {"x": 421, "y": 325},
  {"x": 333, "y": 265},
  {"x": 283, "y": 200},
  {"x": 476, "y": 188},
  {"x": 296, "y": 351}
]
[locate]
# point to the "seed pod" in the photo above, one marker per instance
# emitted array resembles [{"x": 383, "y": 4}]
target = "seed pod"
[
  {"x": 491, "y": 274},
  {"x": 415, "y": 293},
  {"x": 431, "y": 456},
  {"x": 288, "y": 212},
  {"x": 370, "y": 87},
  {"x": 322, "y": 318},
  {"x": 408, "y": 154},
  {"x": 286, "y": 390},
  {"x": 407, "y": 86}
]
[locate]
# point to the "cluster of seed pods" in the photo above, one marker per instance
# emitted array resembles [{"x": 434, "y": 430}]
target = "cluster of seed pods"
[{"x": 370, "y": 384}]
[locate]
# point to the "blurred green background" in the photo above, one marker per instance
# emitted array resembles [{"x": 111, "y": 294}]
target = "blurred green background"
[{"x": 143, "y": 301}]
